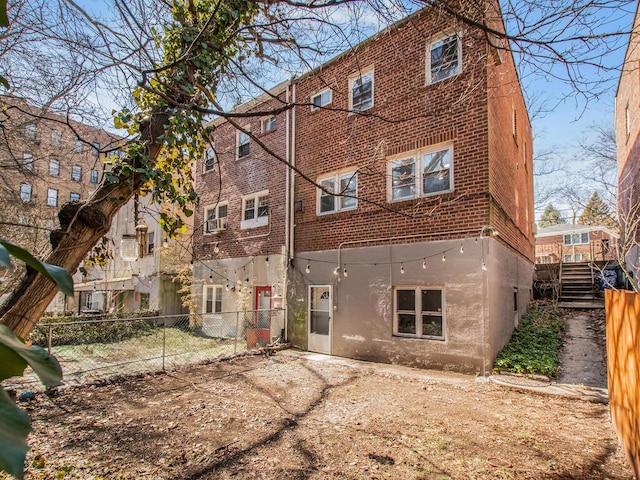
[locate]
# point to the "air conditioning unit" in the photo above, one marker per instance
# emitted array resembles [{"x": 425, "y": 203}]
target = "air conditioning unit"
[{"x": 216, "y": 225}]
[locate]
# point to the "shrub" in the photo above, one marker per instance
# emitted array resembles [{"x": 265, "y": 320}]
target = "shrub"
[
  {"x": 84, "y": 329},
  {"x": 534, "y": 346}
]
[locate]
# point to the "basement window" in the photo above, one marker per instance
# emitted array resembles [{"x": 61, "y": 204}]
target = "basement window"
[{"x": 418, "y": 312}]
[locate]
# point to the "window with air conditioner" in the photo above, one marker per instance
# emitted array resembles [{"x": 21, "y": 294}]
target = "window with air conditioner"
[{"x": 215, "y": 218}]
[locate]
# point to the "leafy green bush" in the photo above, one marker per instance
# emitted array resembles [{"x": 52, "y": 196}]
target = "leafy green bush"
[
  {"x": 84, "y": 329},
  {"x": 535, "y": 343}
]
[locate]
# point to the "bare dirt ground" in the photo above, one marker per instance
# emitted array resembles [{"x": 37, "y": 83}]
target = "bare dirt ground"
[{"x": 299, "y": 416}]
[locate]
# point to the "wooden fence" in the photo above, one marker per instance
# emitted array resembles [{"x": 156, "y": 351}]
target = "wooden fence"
[{"x": 623, "y": 369}]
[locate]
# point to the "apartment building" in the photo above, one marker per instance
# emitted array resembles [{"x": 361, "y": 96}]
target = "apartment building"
[
  {"x": 627, "y": 126},
  {"x": 569, "y": 243},
  {"x": 404, "y": 234}
]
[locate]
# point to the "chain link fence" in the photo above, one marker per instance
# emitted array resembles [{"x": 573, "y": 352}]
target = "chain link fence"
[{"x": 90, "y": 350}]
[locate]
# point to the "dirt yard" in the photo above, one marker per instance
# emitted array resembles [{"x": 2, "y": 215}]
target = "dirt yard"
[{"x": 298, "y": 416}]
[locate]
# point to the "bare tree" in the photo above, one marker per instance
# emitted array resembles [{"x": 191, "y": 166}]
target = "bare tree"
[{"x": 167, "y": 66}]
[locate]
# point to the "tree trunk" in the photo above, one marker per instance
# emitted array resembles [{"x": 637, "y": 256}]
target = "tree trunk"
[{"x": 81, "y": 228}]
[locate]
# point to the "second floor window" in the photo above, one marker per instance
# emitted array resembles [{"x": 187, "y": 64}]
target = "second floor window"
[
  {"x": 421, "y": 174},
  {"x": 54, "y": 168},
  {"x": 269, "y": 124},
  {"x": 321, "y": 99},
  {"x": 76, "y": 173},
  {"x": 576, "y": 238},
  {"x": 94, "y": 176},
  {"x": 74, "y": 197},
  {"x": 52, "y": 197},
  {"x": 215, "y": 218},
  {"x": 361, "y": 92},
  {"x": 339, "y": 193},
  {"x": 255, "y": 210},
  {"x": 244, "y": 142},
  {"x": 25, "y": 192}
]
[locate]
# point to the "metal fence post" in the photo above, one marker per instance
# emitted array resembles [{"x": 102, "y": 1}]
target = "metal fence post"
[
  {"x": 49, "y": 339},
  {"x": 164, "y": 341},
  {"x": 235, "y": 342}
]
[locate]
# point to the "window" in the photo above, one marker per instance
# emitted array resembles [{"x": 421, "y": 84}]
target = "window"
[
  {"x": 76, "y": 173},
  {"x": 444, "y": 58},
  {"x": 343, "y": 188},
  {"x": 212, "y": 299},
  {"x": 54, "y": 168},
  {"x": 77, "y": 148},
  {"x": 74, "y": 197},
  {"x": 27, "y": 161},
  {"x": 93, "y": 178},
  {"x": 151, "y": 243},
  {"x": 425, "y": 173},
  {"x": 243, "y": 142},
  {"x": 95, "y": 149},
  {"x": 52, "y": 197},
  {"x": 209, "y": 159},
  {"x": 56, "y": 135},
  {"x": 576, "y": 238},
  {"x": 30, "y": 131},
  {"x": 255, "y": 210},
  {"x": 215, "y": 218},
  {"x": 361, "y": 92},
  {"x": 269, "y": 124},
  {"x": 321, "y": 99},
  {"x": 418, "y": 312},
  {"x": 25, "y": 192}
]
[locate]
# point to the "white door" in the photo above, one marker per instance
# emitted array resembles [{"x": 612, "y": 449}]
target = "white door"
[{"x": 320, "y": 318}]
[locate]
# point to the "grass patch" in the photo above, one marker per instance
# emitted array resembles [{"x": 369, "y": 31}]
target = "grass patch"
[{"x": 534, "y": 346}]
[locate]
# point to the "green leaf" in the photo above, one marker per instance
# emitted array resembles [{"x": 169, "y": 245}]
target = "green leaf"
[
  {"x": 4, "y": 82},
  {"x": 14, "y": 428},
  {"x": 57, "y": 275},
  {"x": 5, "y": 259},
  {"x": 4, "y": 19},
  {"x": 14, "y": 351}
]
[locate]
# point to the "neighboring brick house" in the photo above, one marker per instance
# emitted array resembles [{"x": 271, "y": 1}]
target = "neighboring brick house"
[
  {"x": 575, "y": 243},
  {"x": 627, "y": 126},
  {"x": 424, "y": 254},
  {"x": 240, "y": 228}
]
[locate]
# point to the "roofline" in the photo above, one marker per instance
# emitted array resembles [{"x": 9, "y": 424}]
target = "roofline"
[{"x": 626, "y": 52}]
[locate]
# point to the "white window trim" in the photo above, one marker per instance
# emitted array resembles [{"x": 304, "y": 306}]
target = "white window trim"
[
  {"x": 247, "y": 128},
  {"x": 337, "y": 176},
  {"x": 580, "y": 242},
  {"x": 215, "y": 207},
  {"x": 319, "y": 94},
  {"x": 266, "y": 120},
  {"x": 255, "y": 221},
  {"x": 352, "y": 78},
  {"x": 206, "y": 157},
  {"x": 418, "y": 312},
  {"x": 436, "y": 39},
  {"x": 418, "y": 156},
  {"x": 205, "y": 290},
  {"x": 49, "y": 197}
]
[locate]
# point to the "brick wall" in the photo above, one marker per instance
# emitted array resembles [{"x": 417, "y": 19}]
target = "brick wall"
[
  {"x": 232, "y": 178},
  {"x": 408, "y": 114}
]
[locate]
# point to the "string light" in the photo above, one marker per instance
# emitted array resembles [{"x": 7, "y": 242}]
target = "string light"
[
  {"x": 335, "y": 271},
  {"x": 461, "y": 248},
  {"x": 216, "y": 248},
  {"x": 344, "y": 271},
  {"x": 402, "y": 268},
  {"x": 227, "y": 287},
  {"x": 444, "y": 257},
  {"x": 424, "y": 263},
  {"x": 308, "y": 269},
  {"x": 484, "y": 266}
]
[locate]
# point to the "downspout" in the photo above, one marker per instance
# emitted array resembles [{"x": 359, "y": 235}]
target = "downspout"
[{"x": 287, "y": 217}]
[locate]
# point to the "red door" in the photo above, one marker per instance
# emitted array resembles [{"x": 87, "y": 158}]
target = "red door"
[{"x": 262, "y": 318}]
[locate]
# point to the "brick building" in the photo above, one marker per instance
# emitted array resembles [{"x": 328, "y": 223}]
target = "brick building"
[
  {"x": 405, "y": 234},
  {"x": 627, "y": 126},
  {"x": 575, "y": 243}
]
